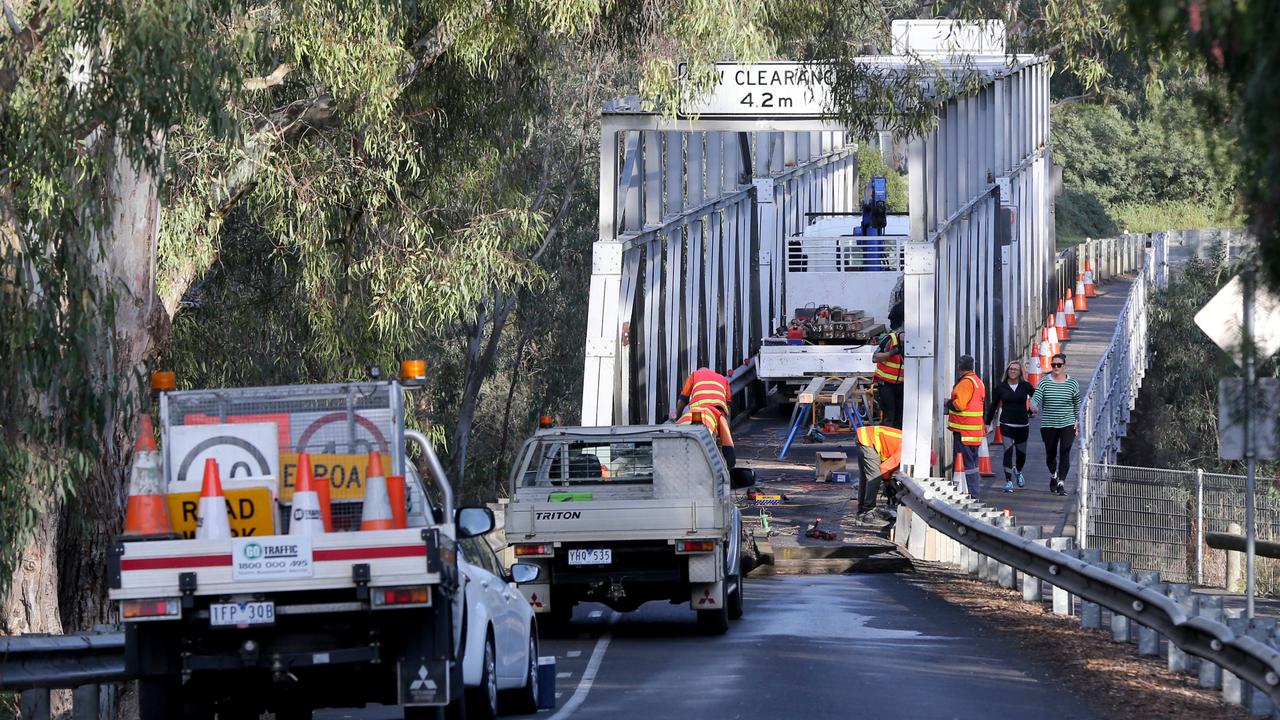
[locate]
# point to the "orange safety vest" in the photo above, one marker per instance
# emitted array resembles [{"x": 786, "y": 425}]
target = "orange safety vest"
[
  {"x": 709, "y": 416},
  {"x": 707, "y": 389},
  {"x": 890, "y": 370},
  {"x": 886, "y": 441},
  {"x": 968, "y": 422}
]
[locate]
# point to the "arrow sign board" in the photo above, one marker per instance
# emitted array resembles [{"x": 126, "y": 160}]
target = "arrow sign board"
[
  {"x": 1222, "y": 319},
  {"x": 771, "y": 89}
]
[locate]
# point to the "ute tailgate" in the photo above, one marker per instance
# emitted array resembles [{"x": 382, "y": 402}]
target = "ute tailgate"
[
  {"x": 614, "y": 519},
  {"x": 153, "y": 569}
]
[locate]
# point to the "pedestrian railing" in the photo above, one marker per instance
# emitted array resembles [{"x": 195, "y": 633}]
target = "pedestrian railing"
[
  {"x": 939, "y": 522},
  {"x": 88, "y": 663}
]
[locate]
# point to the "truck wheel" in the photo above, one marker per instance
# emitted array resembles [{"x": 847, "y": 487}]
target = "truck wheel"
[
  {"x": 482, "y": 702},
  {"x": 524, "y": 700},
  {"x": 735, "y": 599},
  {"x": 716, "y": 622}
]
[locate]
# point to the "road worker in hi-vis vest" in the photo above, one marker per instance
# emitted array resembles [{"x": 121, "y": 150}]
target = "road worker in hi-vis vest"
[
  {"x": 880, "y": 452},
  {"x": 704, "y": 388},
  {"x": 965, "y": 409},
  {"x": 719, "y": 427},
  {"x": 888, "y": 360}
]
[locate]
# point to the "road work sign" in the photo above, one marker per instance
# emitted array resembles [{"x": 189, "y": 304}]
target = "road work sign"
[
  {"x": 778, "y": 89},
  {"x": 345, "y": 473},
  {"x": 243, "y": 450},
  {"x": 251, "y": 511}
]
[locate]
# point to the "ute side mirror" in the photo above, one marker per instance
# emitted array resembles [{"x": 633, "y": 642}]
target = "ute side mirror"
[
  {"x": 741, "y": 478},
  {"x": 524, "y": 573},
  {"x": 473, "y": 521}
]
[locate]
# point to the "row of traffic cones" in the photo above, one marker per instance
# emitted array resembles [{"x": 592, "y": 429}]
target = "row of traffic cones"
[
  {"x": 1058, "y": 325},
  {"x": 147, "y": 511}
]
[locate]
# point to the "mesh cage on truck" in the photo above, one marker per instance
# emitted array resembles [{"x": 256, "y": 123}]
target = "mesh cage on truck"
[{"x": 333, "y": 423}]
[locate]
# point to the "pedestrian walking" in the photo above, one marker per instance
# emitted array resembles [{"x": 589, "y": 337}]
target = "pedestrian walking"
[
  {"x": 1057, "y": 398},
  {"x": 1011, "y": 399},
  {"x": 964, "y": 420}
]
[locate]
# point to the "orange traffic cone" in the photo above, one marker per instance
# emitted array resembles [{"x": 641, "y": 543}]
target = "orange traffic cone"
[
  {"x": 1089, "y": 289},
  {"x": 1060, "y": 319},
  {"x": 399, "y": 510},
  {"x": 147, "y": 511},
  {"x": 1034, "y": 373},
  {"x": 376, "y": 514},
  {"x": 305, "y": 517},
  {"x": 1055, "y": 332},
  {"x": 957, "y": 474},
  {"x": 999, "y": 438},
  {"x": 211, "y": 514},
  {"x": 1082, "y": 305},
  {"x": 984, "y": 458},
  {"x": 1071, "y": 309},
  {"x": 323, "y": 489},
  {"x": 1046, "y": 349}
]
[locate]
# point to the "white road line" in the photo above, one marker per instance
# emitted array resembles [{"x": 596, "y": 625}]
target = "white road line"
[
  {"x": 563, "y": 675},
  {"x": 572, "y": 653},
  {"x": 588, "y": 675},
  {"x": 596, "y": 613}
]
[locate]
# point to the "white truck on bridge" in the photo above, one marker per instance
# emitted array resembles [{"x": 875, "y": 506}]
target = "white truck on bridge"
[{"x": 628, "y": 514}]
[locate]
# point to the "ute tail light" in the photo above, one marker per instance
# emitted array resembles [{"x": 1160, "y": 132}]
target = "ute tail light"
[
  {"x": 151, "y": 609},
  {"x": 539, "y": 550},
  {"x": 417, "y": 596},
  {"x": 695, "y": 546}
]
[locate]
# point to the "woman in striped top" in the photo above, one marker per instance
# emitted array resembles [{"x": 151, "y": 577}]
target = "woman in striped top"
[{"x": 1057, "y": 399}]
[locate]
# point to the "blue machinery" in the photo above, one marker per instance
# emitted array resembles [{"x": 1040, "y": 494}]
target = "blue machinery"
[{"x": 840, "y": 391}]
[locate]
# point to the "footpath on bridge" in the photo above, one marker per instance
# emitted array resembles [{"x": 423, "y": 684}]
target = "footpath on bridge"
[{"x": 1034, "y": 504}]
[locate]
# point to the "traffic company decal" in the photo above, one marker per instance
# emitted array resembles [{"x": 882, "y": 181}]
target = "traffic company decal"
[
  {"x": 250, "y": 511},
  {"x": 271, "y": 558},
  {"x": 243, "y": 450}
]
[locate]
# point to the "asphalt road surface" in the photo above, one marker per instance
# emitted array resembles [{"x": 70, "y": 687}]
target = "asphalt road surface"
[{"x": 809, "y": 647}]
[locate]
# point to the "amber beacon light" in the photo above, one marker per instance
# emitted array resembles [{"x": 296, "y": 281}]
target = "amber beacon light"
[
  {"x": 163, "y": 381},
  {"x": 413, "y": 372}
]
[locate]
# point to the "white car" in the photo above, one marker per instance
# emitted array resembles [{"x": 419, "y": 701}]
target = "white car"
[{"x": 500, "y": 635}]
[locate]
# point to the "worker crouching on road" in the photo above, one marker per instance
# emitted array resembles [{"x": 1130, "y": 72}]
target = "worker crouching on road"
[
  {"x": 964, "y": 420},
  {"x": 880, "y": 452},
  {"x": 888, "y": 360},
  {"x": 719, "y": 427}
]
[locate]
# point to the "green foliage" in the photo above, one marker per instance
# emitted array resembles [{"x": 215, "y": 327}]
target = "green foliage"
[
  {"x": 1175, "y": 214},
  {"x": 871, "y": 164},
  {"x": 1079, "y": 215},
  {"x": 1175, "y": 423},
  {"x": 1233, "y": 42},
  {"x": 83, "y": 88}
]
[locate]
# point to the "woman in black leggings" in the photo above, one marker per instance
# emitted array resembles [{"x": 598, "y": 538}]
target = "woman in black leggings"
[{"x": 1011, "y": 398}]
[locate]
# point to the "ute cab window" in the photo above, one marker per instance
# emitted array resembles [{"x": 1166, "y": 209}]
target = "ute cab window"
[{"x": 557, "y": 464}]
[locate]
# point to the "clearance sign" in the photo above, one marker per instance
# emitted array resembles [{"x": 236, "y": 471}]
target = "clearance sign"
[
  {"x": 345, "y": 473},
  {"x": 250, "y": 510}
]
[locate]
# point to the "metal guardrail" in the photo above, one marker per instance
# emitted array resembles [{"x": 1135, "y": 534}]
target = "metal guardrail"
[
  {"x": 34, "y": 664},
  {"x": 932, "y": 501}
]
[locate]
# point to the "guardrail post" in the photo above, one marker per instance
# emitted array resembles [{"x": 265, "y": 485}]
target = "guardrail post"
[
  {"x": 1233, "y": 689},
  {"x": 1149, "y": 639},
  {"x": 1210, "y": 608},
  {"x": 1030, "y": 583},
  {"x": 1004, "y": 573},
  {"x": 35, "y": 704},
  {"x": 1261, "y": 629},
  {"x": 1061, "y": 598},
  {"x": 85, "y": 703},
  {"x": 1121, "y": 626},
  {"x": 1179, "y": 661},
  {"x": 1091, "y": 612}
]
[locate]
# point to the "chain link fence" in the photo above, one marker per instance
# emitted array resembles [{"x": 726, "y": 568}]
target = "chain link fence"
[{"x": 1157, "y": 520}]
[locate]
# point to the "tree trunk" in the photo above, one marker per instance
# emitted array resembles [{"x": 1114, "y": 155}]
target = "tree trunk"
[{"x": 61, "y": 583}]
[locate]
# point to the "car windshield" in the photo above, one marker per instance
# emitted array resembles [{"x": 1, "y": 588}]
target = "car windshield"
[{"x": 568, "y": 463}]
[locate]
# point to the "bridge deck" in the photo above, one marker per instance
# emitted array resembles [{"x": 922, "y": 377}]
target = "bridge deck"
[{"x": 1034, "y": 504}]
